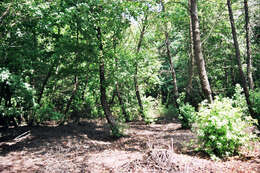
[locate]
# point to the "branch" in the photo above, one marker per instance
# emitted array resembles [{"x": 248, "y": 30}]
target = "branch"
[{"x": 5, "y": 14}]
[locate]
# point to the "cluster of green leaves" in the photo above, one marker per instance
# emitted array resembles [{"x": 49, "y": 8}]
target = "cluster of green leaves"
[
  {"x": 187, "y": 112},
  {"x": 221, "y": 128},
  {"x": 255, "y": 99},
  {"x": 22, "y": 99},
  {"x": 47, "y": 113}
]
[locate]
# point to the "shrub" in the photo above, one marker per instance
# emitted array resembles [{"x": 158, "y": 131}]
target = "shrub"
[
  {"x": 187, "y": 112},
  {"x": 255, "y": 99},
  {"x": 46, "y": 113},
  {"x": 150, "y": 109},
  {"x": 221, "y": 128},
  {"x": 239, "y": 100},
  {"x": 20, "y": 99}
]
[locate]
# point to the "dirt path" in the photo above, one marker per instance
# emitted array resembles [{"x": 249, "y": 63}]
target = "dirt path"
[{"x": 160, "y": 147}]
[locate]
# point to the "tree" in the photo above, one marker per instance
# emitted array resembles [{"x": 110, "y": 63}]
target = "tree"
[
  {"x": 198, "y": 52},
  {"x": 167, "y": 44},
  {"x": 238, "y": 58},
  {"x": 248, "y": 47}
]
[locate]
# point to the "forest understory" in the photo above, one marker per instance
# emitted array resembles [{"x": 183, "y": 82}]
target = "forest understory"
[{"x": 160, "y": 147}]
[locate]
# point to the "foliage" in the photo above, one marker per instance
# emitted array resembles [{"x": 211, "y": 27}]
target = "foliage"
[
  {"x": 150, "y": 110},
  {"x": 221, "y": 128},
  {"x": 20, "y": 97},
  {"x": 47, "y": 113},
  {"x": 239, "y": 100},
  {"x": 187, "y": 112},
  {"x": 255, "y": 99},
  {"x": 118, "y": 130}
]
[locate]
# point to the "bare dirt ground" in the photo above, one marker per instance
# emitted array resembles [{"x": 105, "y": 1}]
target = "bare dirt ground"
[{"x": 160, "y": 147}]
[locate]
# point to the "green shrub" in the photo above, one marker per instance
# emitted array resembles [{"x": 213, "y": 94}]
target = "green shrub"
[
  {"x": 150, "y": 109},
  {"x": 46, "y": 113},
  {"x": 239, "y": 100},
  {"x": 221, "y": 128},
  {"x": 187, "y": 112},
  {"x": 21, "y": 97},
  {"x": 255, "y": 99}
]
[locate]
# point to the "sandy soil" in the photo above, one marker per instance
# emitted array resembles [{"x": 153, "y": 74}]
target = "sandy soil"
[{"x": 160, "y": 147}]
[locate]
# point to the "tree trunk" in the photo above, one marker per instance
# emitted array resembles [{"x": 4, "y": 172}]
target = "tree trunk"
[
  {"x": 44, "y": 84},
  {"x": 103, "y": 97},
  {"x": 137, "y": 92},
  {"x": 4, "y": 14},
  {"x": 168, "y": 52},
  {"x": 118, "y": 93},
  {"x": 191, "y": 65},
  {"x": 198, "y": 52},
  {"x": 76, "y": 82},
  {"x": 238, "y": 57},
  {"x": 121, "y": 102},
  {"x": 248, "y": 48}
]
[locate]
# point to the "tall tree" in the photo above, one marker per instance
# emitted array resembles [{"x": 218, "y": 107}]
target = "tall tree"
[
  {"x": 191, "y": 66},
  {"x": 238, "y": 58},
  {"x": 198, "y": 51},
  {"x": 248, "y": 47},
  {"x": 137, "y": 91},
  {"x": 103, "y": 97},
  {"x": 169, "y": 56}
]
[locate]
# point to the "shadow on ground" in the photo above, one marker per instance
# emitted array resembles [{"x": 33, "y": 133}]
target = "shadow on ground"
[{"x": 42, "y": 136}]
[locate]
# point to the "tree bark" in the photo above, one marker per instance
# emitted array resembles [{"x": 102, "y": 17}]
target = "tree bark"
[
  {"x": 44, "y": 84},
  {"x": 4, "y": 14},
  {"x": 74, "y": 91},
  {"x": 103, "y": 97},
  {"x": 191, "y": 65},
  {"x": 118, "y": 93},
  {"x": 169, "y": 56},
  {"x": 198, "y": 52},
  {"x": 137, "y": 91},
  {"x": 248, "y": 48},
  {"x": 238, "y": 58}
]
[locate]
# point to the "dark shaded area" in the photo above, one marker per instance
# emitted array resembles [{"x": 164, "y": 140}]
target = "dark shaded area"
[{"x": 42, "y": 136}]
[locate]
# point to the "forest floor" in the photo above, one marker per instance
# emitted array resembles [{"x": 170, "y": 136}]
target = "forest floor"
[{"x": 159, "y": 147}]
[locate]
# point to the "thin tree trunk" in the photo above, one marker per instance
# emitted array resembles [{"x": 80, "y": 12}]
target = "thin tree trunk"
[
  {"x": 198, "y": 52},
  {"x": 118, "y": 93},
  {"x": 4, "y": 14},
  {"x": 44, "y": 84},
  {"x": 191, "y": 66},
  {"x": 137, "y": 92},
  {"x": 238, "y": 57},
  {"x": 74, "y": 91},
  {"x": 103, "y": 96},
  {"x": 168, "y": 52},
  {"x": 248, "y": 48},
  {"x": 121, "y": 102}
]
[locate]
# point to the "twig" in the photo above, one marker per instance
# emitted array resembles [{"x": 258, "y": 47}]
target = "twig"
[{"x": 22, "y": 135}]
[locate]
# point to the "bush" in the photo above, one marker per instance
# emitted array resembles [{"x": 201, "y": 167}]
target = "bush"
[
  {"x": 18, "y": 101},
  {"x": 187, "y": 112},
  {"x": 150, "y": 109},
  {"x": 221, "y": 128},
  {"x": 47, "y": 113},
  {"x": 255, "y": 99},
  {"x": 239, "y": 100}
]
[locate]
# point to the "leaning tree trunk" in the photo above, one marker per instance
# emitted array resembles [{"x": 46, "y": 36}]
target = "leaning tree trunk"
[
  {"x": 248, "y": 48},
  {"x": 44, "y": 85},
  {"x": 173, "y": 73},
  {"x": 137, "y": 91},
  {"x": 5, "y": 14},
  {"x": 198, "y": 52},
  {"x": 103, "y": 97},
  {"x": 238, "y": 57}
]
